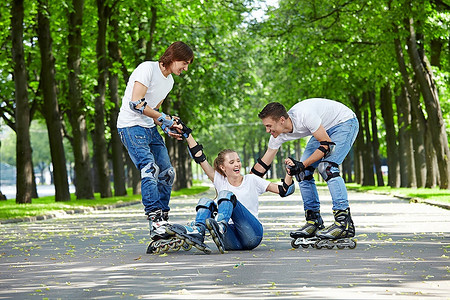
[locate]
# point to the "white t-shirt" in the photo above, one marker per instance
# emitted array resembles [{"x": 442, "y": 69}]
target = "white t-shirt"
[
  {"x": 158, "y": 86},
  {"x": 247, "y": 193},
  {"x": 308, "y": 115}
]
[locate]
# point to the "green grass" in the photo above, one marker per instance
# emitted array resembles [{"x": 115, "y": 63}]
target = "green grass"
[
  {"x": 433, "y": 194},
  {"x": 45, "y": 205}
]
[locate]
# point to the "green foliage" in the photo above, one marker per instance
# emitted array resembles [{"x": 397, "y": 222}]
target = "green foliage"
[{"x": 301, "y": 49}]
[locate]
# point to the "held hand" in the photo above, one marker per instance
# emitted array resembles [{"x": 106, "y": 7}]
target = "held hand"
[
  {"x": 295, "y": 168},
  {"x": 167, "y": 124},
  {"x": 182, "y": 128}
]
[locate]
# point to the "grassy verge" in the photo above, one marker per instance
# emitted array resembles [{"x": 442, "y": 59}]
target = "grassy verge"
[
  {"x": 45, "y": 205},
  {"x": 438, "y": 195},
  {"x": 420, "y": 194}
]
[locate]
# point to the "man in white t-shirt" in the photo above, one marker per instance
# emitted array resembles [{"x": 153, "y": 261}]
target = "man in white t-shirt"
[
  {"x": 147, "y": 88},
  {"x": 333, "y": 128}
]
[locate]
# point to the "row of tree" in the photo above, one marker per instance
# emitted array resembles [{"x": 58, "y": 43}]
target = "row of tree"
[{"x": 67, "y": 62}]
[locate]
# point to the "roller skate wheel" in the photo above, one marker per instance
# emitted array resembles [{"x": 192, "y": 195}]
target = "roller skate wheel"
[
  {"x": 340, "y": 246},
  {"x": 306, "y": 246},
  {"x": 352, "y": 244},
  {"x": 179, "y": 243},
  {"x": 317, "y": 245},
  {"x": 294, "y": 245},
  {"x": 165, "y": 248},
  {"x": 176, "y": 248},
  {"x": 150, "y": 249},
  {"x": 186, "y": 246}
]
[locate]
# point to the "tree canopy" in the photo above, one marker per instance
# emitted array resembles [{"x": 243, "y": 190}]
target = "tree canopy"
[{"x": 349, "y": 51}]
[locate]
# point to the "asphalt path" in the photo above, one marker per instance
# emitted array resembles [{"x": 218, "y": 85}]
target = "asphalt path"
[{"x": 402, "y": 253}]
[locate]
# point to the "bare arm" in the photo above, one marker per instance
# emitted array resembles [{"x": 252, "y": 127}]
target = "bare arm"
[
  {"x": 273, "y": 187},
  {"x": 207, "y": 168},
  {"x": 139, "y": 91}
]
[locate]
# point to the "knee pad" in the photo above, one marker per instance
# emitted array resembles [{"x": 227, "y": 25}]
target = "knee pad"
[
  {"x": 151, "y": 170},
  {"x": 167, "y": 176},
  {"x": 208, "y": 204},
  {"x": 325, "y": 170},
  {"x": 225, "y": 195}
]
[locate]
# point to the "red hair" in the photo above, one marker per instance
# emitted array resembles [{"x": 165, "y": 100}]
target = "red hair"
[{"x": 178, "y": 51}]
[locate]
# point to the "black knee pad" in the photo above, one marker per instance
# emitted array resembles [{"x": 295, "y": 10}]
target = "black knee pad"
[{"x": 325, "y": 170}]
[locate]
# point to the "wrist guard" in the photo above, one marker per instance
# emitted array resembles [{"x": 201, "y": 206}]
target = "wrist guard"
[
  {"x": 166, "y": 123},
  {"x": 186, "y": 131},
  {"x": 297, "y": 170},
  {"x": 285, "y": 190}
]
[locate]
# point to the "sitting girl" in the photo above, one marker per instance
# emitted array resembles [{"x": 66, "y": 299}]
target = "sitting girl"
[{"x": 232, "y": 221}]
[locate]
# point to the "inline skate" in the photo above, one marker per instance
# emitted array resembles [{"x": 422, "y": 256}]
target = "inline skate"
[
  {"x": 217, "y": 230},
  {"x": 339, "y": 233},
  {"x": 161, "y": 241},
  {"x": 191, "y": 235},
  {"x": 305, "y": 236}
]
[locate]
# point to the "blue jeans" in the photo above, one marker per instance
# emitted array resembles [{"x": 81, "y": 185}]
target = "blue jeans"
[
  {"x": 245, "y": 233},
  {"x": 344, "y": 136},
  {"x": 149, "y": 154}
]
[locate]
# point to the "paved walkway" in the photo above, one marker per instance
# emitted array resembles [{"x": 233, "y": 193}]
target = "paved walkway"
[{"x": 403, "y": 252}]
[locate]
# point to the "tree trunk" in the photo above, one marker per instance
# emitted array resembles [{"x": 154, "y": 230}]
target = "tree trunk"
[
  {"x": 148, "y": 52},
  {"x": 435, "y": 119},
  {"x": 116, "y": 144},
  {"x": 391, "y": 138},
  {"x": 436, "y": 49},
  {"x": 418, "y": 139},
  {"x": 50, "y": 107},
  {"x": 359, "y": 143},
  {"x": 23, "y": 147},
  {"x": 99, "y": 138},
  {"x": 77, "y": 118},
  {"x": 133, "y": 174},
  {"x": 368, "y": 178},
  {"x": 375, "y": 141},
  {"x": 418, "y": 123},
  {"x": 405, "y": 144}
]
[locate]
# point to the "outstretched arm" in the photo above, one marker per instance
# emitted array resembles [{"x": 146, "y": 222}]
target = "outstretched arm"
[
  {"x": 263, "y": 164},
  {"x": 285, "y": 189},
  {"x": 207, "y": 168},
  {"x": 139, "y": 105}
]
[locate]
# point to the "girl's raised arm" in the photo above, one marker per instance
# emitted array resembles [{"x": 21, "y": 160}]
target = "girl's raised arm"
[{"x": 196, "y": 150}]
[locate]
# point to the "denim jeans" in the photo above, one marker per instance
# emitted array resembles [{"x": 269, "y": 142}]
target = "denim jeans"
[
  {"x": 245, "y": 233},
  {"x": 149, "y": 154},
  {"x": 344, "y": 136}
]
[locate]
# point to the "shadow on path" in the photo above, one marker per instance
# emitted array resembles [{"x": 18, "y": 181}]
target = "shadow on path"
[{"x": 402, "y": 251}]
